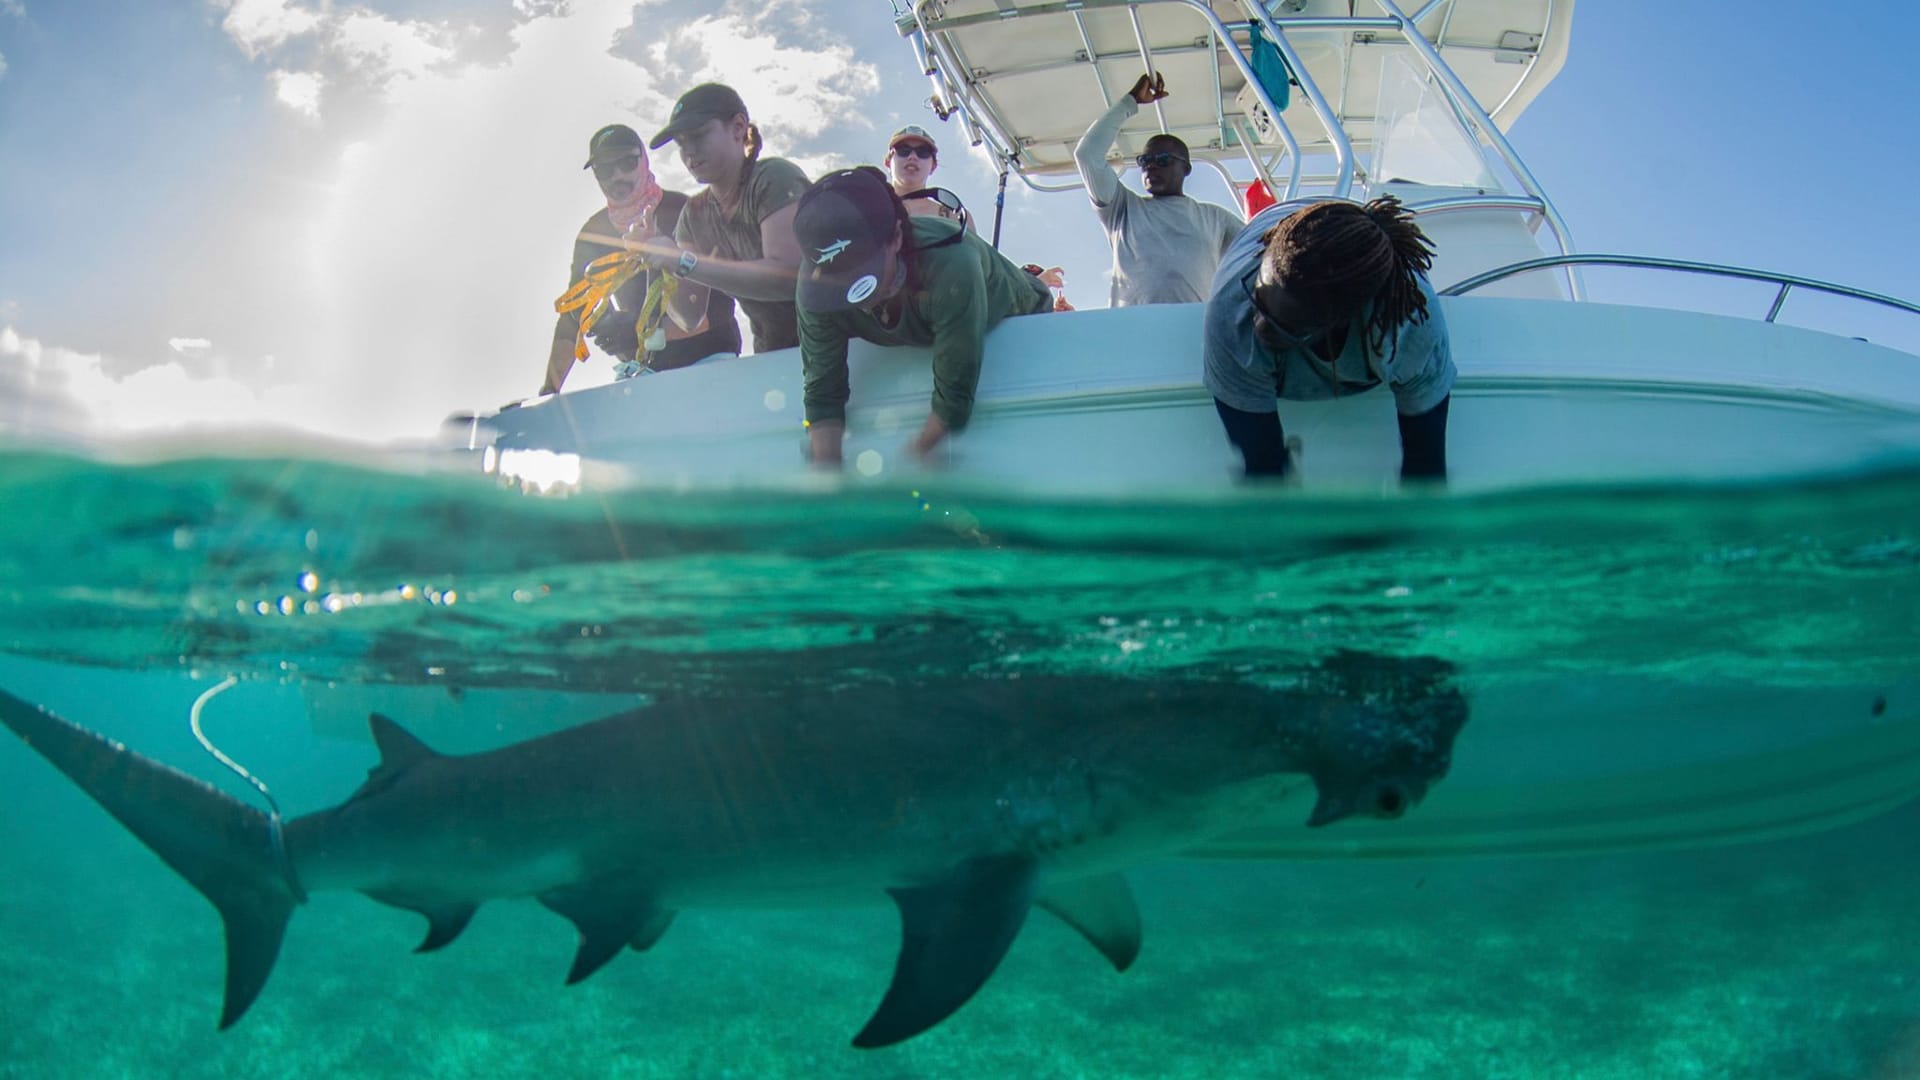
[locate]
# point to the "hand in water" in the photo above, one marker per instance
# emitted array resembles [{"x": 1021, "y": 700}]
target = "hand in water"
[{"x": 932, "y": 434}]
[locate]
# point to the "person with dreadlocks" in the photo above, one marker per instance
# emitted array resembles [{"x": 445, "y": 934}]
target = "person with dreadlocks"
[
  {"x": 636, "y": 207},
  {"x": 1325, "y": 299},
  {"x": 873, "y": 271},
  {"x": 736, "y": 235}
]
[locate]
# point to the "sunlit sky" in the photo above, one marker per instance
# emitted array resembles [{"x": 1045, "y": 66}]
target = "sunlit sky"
[{"x": 353, "y": 217}]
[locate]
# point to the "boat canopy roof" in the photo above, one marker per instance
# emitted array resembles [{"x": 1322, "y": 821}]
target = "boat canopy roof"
[{"x": 1028, "y": 76}]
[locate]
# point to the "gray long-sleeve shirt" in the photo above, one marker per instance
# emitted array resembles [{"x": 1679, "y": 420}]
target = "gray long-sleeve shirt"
[{"x": 1165, "y": 247}]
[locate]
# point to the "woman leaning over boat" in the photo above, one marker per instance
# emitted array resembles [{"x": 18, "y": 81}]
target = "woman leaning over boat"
[
  {"x": 736, "y": 235},
  {"x": 1319, "y": 300},
  {"x": 878, "y": 273}
]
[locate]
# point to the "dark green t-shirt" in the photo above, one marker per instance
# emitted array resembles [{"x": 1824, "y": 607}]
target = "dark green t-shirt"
[
  {"x": 956, "y": 293},
  {"x": 706, "y": 230}
]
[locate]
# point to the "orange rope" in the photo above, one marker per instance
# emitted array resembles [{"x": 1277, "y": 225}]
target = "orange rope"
[{"x": 592, "y": 296}]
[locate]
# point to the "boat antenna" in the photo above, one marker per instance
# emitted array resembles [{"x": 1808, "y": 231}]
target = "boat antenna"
[{"x": 1000, "y": 200}]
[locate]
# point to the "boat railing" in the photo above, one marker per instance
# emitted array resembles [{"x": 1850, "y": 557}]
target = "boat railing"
[{"x": 1786, "y": 282}]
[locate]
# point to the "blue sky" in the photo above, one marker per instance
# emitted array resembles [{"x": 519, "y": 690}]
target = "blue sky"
[{"x": 353, "y": 217}]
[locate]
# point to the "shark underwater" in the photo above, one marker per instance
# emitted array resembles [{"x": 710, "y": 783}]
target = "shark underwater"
[{"x": 969, "y": 802}]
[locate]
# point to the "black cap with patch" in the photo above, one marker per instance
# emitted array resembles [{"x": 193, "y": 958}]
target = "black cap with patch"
[
  {"x": 708, "y": 101},
  {"x": 844, "y": 225},
  {"x": 612, "y": 141}
]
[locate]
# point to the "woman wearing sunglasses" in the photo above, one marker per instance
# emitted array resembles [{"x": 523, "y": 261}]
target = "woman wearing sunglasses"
[
  {"x": 1322, "y": 300},
  {"x": 912, "y": 157},
  {"x": 1165, "y": 245}
]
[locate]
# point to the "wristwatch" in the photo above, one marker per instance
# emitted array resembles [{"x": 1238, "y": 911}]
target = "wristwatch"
[{"x": 688, "y": 260}]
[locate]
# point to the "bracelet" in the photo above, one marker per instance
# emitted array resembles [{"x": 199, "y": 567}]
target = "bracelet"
[{"x": 688, "y": 260}]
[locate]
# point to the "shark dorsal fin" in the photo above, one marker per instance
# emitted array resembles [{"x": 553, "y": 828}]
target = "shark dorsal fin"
[{"x": 399, "y": 749}]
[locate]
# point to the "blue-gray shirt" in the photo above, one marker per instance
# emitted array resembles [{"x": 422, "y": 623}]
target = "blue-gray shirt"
[{"x": 1417, "y": 362}]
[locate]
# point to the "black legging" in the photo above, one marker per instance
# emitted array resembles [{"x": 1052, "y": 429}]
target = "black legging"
[{"x": 1263, "y": 445}]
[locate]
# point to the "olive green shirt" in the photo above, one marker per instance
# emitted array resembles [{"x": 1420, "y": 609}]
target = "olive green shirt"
[
  {"x": 955, "y": 293},
  {"x": 706, "y": 230}
]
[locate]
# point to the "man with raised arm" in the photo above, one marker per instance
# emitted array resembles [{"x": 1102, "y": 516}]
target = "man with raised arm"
[{"x": 1166, "y": 246}]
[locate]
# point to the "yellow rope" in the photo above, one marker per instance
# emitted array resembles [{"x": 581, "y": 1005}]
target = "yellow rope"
[{"x": 592, "y": 296}]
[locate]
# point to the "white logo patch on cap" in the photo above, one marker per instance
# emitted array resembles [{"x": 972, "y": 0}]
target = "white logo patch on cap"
[
  {"x": 827, "y": 253},
  {"x": 862, "y": 288}
]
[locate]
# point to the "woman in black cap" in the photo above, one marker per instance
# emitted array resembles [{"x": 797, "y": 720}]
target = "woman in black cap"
[
  {"x": 878, "y": 273},
  {"x": 736, "y": 235}
]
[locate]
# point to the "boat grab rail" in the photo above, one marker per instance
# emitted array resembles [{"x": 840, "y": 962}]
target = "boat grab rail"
[{"x": 1787, "y": 282}]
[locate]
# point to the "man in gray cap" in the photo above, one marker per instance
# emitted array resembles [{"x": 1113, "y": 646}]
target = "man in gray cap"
[
  {"x": 874, "y": 272},
  {"x": 636, "y": 206},
  {"x": 736, "y": 235}
]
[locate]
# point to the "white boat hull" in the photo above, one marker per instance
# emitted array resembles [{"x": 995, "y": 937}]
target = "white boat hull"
[{"x": 1109, "y": 403}]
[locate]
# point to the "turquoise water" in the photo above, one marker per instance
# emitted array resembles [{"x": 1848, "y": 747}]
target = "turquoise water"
[{"x": 1647, "y": 667}]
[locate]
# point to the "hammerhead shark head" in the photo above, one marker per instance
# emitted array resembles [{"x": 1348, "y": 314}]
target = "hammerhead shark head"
[{"x": 969, "y": 802}]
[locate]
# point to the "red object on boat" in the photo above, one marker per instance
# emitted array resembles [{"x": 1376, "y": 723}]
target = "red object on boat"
[{"x": 1258, "y": 197}]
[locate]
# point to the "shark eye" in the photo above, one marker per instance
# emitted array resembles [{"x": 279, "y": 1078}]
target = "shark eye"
[{"x": 1389, "y": 801}]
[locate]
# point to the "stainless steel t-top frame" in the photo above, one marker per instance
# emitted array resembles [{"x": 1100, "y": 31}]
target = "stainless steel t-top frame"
[{"x": 958, "y": 89}]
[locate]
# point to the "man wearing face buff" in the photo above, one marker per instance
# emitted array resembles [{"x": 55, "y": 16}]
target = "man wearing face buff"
[
  {"x": 875, "y": 272},
  {"x": 636, "y": 207},
  {"x": 1325, "y": 299},
  {"x": 736, "y": 235},
  {"x": 1166, "y": 245}
]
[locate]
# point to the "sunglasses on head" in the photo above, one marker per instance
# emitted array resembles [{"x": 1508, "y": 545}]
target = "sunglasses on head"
[
  {"x": 1275, "y": 334},
  {"x": 616, "y": 166},
  {"x": 913, "y": 150},
  {"x": 1159, "y": 160}
]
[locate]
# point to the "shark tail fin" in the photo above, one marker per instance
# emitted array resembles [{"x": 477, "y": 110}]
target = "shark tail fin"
[{"x": 222, "y": 846}]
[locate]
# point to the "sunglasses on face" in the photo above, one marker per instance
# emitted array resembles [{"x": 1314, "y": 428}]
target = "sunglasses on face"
[
  {"x": 914, "y": 150},
  {"x": 607, "y": 170},
  {"x": 1273, "y": 332},
  {"x": 1158, "y": 160}
]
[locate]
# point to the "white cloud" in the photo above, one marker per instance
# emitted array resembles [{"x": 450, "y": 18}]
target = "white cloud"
[
  {"x": 299, "y": 90},
  {"x": 14, "y": 8},
  {"x": 390, "y": 48},
  {"x": 418, "y": 240},
  {"x": 794, "y": 90},
  {"x": 185, "y": 345},
  {"x": 50, "y": 390},
  {"x": 258, "y": 25},
  {"x": 3, "y": 65}
]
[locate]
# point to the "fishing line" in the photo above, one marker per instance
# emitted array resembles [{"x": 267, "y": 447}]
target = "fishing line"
[{"x": 276, "y": 833}]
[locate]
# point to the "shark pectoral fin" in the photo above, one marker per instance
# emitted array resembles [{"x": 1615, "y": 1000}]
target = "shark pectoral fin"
[
  {"x": 608, "y": 916},
  {"x": 655, "y": 928},
  {"x": 1102, "y": 909},
  {"x": 953, "y": 935}
]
